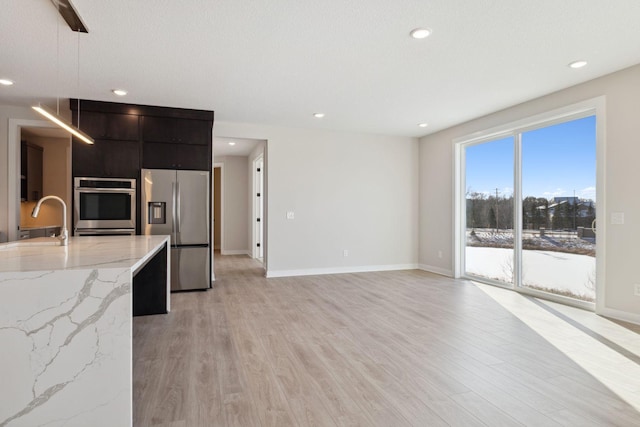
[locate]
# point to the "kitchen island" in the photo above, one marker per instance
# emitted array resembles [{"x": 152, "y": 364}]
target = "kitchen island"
[{"x": 66, "y": 328}]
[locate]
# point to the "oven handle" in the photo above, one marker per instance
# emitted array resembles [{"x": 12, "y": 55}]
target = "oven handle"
[
  {"x": 103, "y": 231},
  {"x": 105, "y": 190}
]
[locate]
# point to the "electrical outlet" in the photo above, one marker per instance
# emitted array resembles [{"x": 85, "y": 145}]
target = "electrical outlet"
[
  {"x": 636, "y": 290},
  {"x": 440, "y": 254},
  {"x": 345, "y": 252}
]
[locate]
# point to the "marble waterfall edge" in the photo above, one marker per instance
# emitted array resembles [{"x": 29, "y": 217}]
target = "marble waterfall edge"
[{"x": 66, "y": 347}]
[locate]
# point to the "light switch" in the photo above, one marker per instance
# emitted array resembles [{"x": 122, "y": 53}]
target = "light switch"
[
  {"x": 290, "y": 215},
  {"x": 617, "y": 218}
]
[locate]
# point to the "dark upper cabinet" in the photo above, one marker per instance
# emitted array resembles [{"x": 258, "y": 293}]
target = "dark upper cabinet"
[
  {"x": 176, "y": 130},
  {"x": 129, "y": 137},
  {"x": 106, "y": 158},
  {"x": 163, "y": 155},
  {"x": 121, "y": 127},
  {"x": 31, "y": 172}
]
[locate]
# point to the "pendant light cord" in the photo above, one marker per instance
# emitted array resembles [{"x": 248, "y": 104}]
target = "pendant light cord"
[
  {"x": 78, "y": 79},
  {"x": 58, "y": 60}
]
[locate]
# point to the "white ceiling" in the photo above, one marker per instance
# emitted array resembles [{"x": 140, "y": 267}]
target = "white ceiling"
[{"x": 279, "y": 61}]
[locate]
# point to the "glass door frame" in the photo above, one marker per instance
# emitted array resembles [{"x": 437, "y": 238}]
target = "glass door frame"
[{"x": 593, "y": 107}]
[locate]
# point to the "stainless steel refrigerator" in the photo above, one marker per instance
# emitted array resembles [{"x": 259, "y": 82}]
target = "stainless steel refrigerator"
[{"x": 176, "y": 203}]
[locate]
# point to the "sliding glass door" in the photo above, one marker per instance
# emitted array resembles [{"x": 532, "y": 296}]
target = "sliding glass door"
[
  {"x": 529, "y": 208},
  {"x": 489, "y": 210},
  {"x": 559, "y": 208}
]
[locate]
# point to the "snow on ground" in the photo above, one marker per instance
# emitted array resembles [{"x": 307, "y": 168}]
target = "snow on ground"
[
  {"x": 566, "y": 273},
  {"x": 558, "y": 240}
]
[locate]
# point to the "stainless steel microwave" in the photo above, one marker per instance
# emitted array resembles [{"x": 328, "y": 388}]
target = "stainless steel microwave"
[{"x": 104, "y": 203}]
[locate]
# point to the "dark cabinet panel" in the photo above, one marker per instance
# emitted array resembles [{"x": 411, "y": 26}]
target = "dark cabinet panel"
[
  {"x": 158, "y": 155},
  {"x": 121, "y": 127},
  {"x": 150, "y": 286},
  {"x": 31, "y": 172},
  {"x": 175, "y": 130},
  {"x": 162, "y": 155},
  {"x": 106, "y": 159}
]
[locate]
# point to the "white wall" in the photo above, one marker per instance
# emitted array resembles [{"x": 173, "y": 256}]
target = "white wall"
[
  {"x": 348, "y": 191},
  {"x": 622, "y": 174},
  {"x": 235, "y": 236}
]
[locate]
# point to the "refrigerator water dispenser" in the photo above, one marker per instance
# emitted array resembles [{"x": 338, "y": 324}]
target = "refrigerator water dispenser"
[{"x": 157, "y": 213}]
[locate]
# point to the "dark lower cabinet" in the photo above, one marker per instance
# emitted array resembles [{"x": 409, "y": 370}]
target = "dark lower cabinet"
[
  {"x": 150, "y": 286},
  {"x": 106, "y": 159}
]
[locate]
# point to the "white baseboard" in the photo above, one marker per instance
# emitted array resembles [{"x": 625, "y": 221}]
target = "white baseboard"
[
  {"x": 436, "y": 270},
  {"x": 625, "y": 316},
  {"x": 340, "y": 270},
  {"x": 235, "y": 252}
]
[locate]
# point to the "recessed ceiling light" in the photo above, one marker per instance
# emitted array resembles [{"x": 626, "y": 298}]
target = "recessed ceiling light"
[
  {"x": 6, "y": 82},
  {"x": 232, "y": 143},
  {"x": 423, "y": 125},
  {"x": 119, "y": 92},
  {"x": 318, "y": 115},
  {"x": 578, "y": 64},
  {"x": 420, "y": 33}
]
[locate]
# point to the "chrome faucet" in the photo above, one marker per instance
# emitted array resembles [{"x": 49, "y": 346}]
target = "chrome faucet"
[{"x": 64, "y": 234}]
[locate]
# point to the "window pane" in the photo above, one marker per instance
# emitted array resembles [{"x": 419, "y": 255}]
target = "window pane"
[
  {"x": 489, "y": 210},
  {"x": 559, "y": 195}
]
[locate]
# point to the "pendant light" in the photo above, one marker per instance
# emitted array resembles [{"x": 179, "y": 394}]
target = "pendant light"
[{"x": 55, "y": 116}]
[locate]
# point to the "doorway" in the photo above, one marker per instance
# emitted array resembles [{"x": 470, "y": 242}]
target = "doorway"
[
  {"x": 526, "y": 207},
  {"x": 56, "y": 172},
  {"x": 217, "y": 206},
  {"x": 239, "y": 198}
]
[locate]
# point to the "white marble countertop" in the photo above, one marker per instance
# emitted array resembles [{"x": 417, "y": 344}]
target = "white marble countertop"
[
  {"x": 85, "y": 252},
  {"x": 66, "y": 329}
]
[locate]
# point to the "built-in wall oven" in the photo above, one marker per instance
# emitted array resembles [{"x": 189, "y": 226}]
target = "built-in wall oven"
[{"x": 104, "y": 206}]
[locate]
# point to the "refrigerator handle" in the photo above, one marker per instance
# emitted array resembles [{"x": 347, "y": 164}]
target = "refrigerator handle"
[
  {"x": 179, "y": 198},
  {"x": 173, "y": 207}
]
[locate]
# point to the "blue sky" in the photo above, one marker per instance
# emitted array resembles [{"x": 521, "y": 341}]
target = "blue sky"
[{"x": 556, "y": 160}]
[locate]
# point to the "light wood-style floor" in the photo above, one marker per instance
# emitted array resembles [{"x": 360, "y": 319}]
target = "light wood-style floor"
[{"x": 403, "y": 348}]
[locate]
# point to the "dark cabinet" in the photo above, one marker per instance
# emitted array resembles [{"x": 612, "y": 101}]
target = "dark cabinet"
[
  {"x": 121, "y": 127},
  {"x": 176, "y": 130},
  {"x": 176, "y": 143},
  {"x": 106, "y": 159},
  {"x": 150, "y": 286},
  {"x": 162, "y": 155},
  {"x": 31, "y": 172},
  {"x": 129, "y": 137}
]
